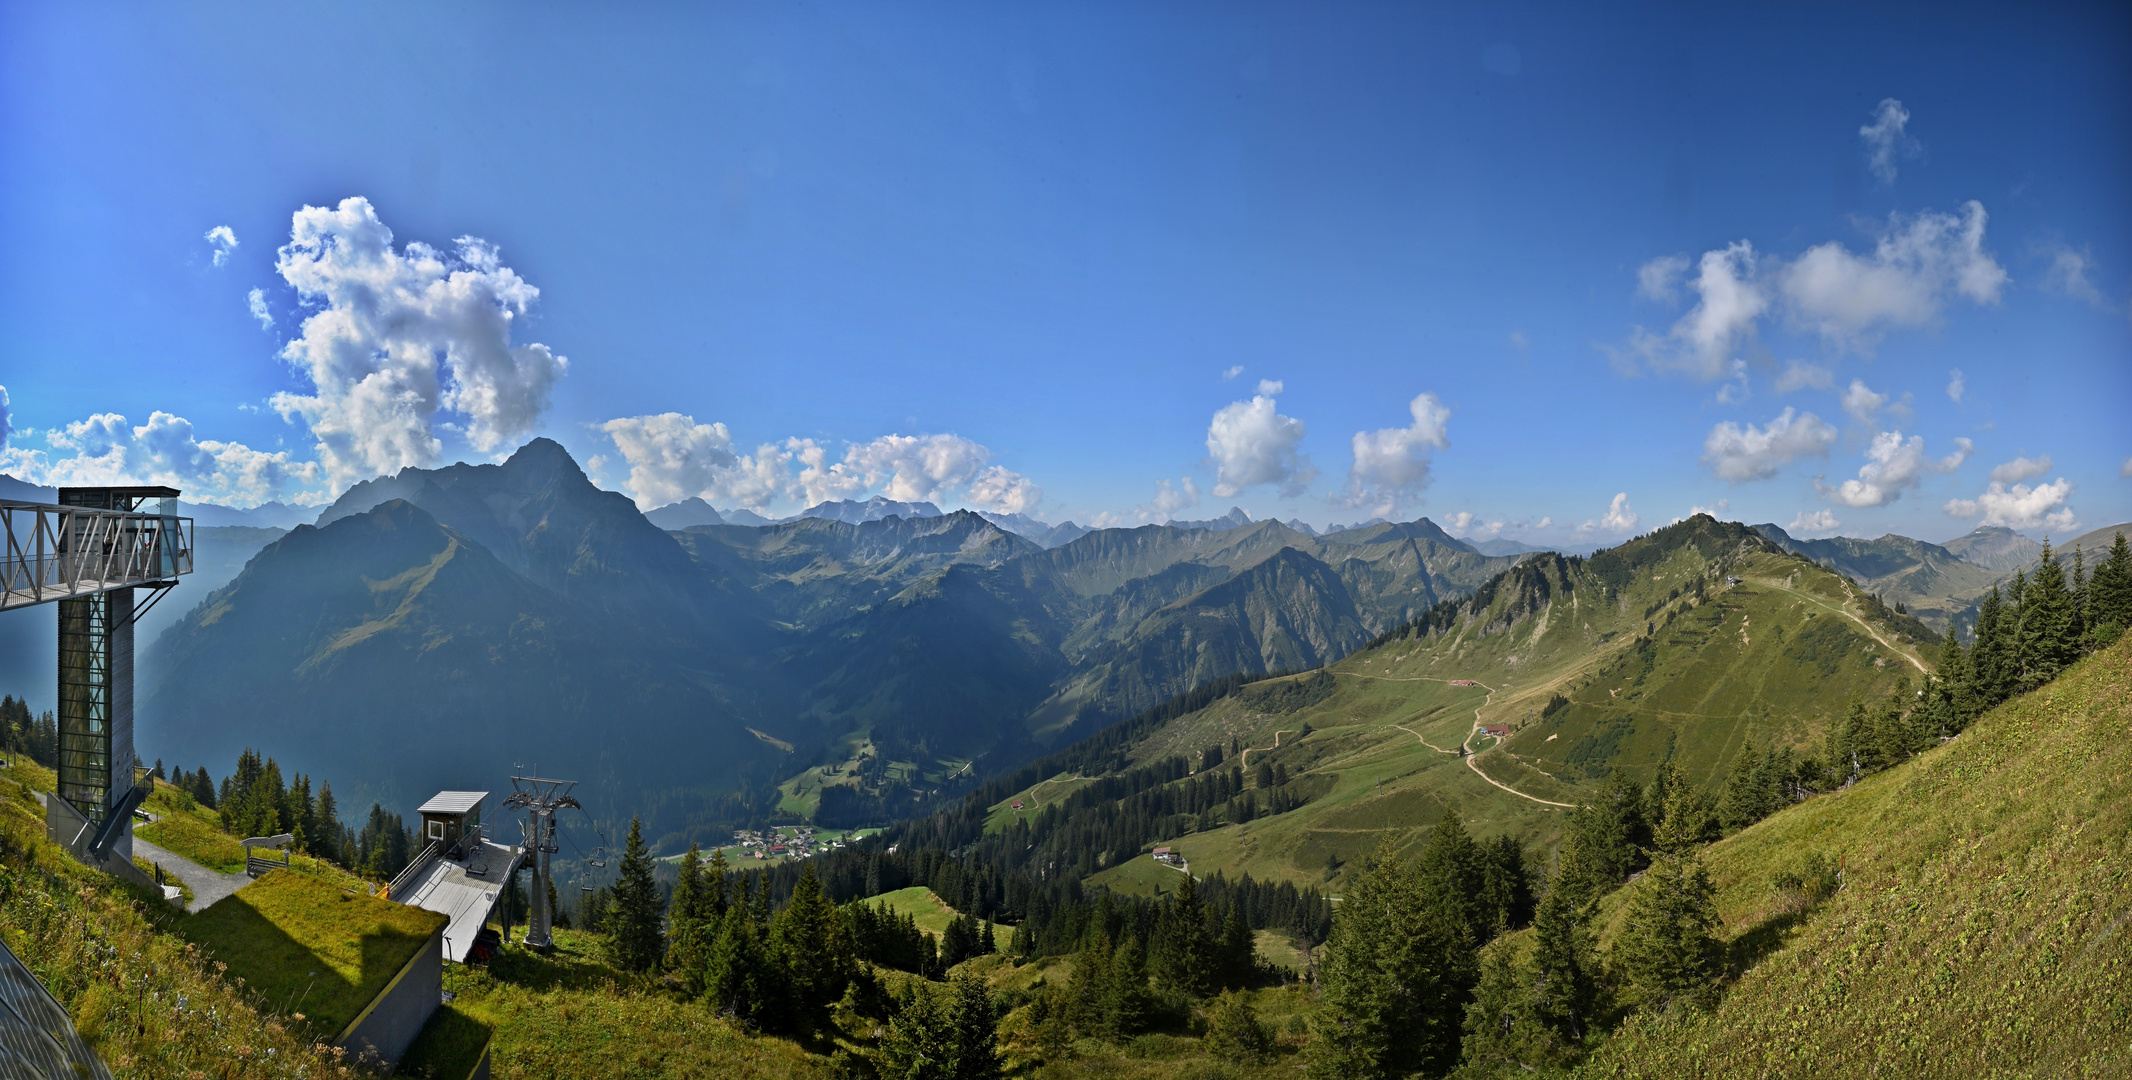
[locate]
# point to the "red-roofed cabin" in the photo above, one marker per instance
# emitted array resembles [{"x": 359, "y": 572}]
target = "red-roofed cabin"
[{"x": 1499, "y": 731}]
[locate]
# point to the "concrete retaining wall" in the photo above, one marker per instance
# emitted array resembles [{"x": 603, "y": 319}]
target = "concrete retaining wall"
[{"x": 383, "y": 1031}]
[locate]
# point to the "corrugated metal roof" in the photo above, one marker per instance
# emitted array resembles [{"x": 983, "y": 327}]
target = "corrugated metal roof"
[
  {"x": 451, "y": 802},
  {"x": 37, "y": 1039}
]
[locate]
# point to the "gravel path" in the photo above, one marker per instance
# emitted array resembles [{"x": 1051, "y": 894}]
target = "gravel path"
[{"x": 207, "y": 886}]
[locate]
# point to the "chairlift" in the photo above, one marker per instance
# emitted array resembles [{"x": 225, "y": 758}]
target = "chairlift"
[{"x": 599, "y": 857}]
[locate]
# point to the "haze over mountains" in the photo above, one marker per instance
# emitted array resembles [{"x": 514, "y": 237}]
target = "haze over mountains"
[{"x": 518, "y": 609}]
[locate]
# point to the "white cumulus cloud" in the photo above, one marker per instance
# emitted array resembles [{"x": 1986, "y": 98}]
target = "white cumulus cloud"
[
  {"x": 1620, "y": 517},
  {"x": 404, "y": 337},
  {"x": 1723, "y": 317},
  {"x": 1232, "y": 372},
  {"x": 104, "y": 450},
  {"x": 256, "y": 302},
  {"x": 1819, "y": 522},
  {"x": 1862, "y": 403},
  {"x": 1170, "y": 498},
  {"x": 1250, "y": 443},
  {"x": 1393, "y": 463},
  {"x": 1956, "y": 386},
  {"x": 673, "y": 457},
  {"x": 1003, "y": 491},
  {"x": 1271, "y": 387},
  {"x": 6, "y": 422},
  {"x": 1910, "y": 273},
  {"x": 1737, "y": 454},
  {"x": 223, "y": 239},
  {"x": 2021, "y": 468},
  {"x": 2124, "y": 471},
  {"x": 1893, "y": 465},
  {"x": 1885, "y": 139},
  {"x": 2019, "y": 506}
]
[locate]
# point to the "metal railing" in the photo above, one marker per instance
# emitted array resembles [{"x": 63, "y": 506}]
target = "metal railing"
[
  {"x": 57, "y": 552},
  {"x": 406, "y": 876}
]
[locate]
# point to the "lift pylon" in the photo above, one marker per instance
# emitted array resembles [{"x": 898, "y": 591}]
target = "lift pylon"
[{"x": 540, "y": 799}]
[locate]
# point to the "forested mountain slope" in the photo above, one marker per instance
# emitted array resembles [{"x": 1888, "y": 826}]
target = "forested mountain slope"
[
  {"x": 405, "y": 654},
  {"x": 1645, "y": 653},
  {"x": 520, "y": 606}
]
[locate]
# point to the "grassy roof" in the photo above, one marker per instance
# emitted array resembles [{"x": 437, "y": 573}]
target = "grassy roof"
[{"x": 301, "y": 944}]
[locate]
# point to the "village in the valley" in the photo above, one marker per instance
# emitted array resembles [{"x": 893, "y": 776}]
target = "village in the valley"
[{"x": 787, "y": 842}]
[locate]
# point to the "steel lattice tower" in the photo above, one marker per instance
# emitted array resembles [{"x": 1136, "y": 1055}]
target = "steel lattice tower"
[{"x": 541, "y": 799}]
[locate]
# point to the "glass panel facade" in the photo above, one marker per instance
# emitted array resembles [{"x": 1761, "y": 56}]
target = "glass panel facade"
[{"x": 87, "y": 681}]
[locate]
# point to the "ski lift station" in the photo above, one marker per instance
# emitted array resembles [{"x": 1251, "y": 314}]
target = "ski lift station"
[{"x": 460, "y": 873}]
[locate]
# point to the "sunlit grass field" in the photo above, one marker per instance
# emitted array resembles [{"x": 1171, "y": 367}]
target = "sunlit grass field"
[
  {"x": 1981, "y": 927},
  {"x": 308, "y": 946}
]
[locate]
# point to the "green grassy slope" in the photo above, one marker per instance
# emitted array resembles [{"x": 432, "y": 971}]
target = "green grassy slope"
[
  {"x": 1982, "y": 925},
  {"x": 1649, "y": 649},
  {"x": 142, "y": 997},
  {"x": 569, "y": 1014},
  {"x": 316, "y": 948}
]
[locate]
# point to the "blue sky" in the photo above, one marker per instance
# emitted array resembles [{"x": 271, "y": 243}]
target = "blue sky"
[{"x": 1009, "y": 257}]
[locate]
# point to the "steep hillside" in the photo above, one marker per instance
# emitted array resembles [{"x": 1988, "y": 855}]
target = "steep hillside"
[
  {"x": 1979, "y": 929},
  {"x": 1641, "y": 652},
  {"x": 1933, "y": 582},
  {"x": 386, "y": 637},
  {"x": 539, "y": 515},
  {"x": 935, "y": 646},
  {"x": 1995, "y": 547},
  {"x": 813, "y": 571}
]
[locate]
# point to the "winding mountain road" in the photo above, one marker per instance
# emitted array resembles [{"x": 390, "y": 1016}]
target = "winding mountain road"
[
  {"x": 1846, "y": 613},
  {"x": 1472, "y": 759}
]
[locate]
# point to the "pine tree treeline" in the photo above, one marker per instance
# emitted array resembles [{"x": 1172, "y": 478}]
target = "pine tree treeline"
[
  {"x": 35, "y": 738},
  {"x": 1403, "y": 960},
  {"x": 255, "y": 800}
]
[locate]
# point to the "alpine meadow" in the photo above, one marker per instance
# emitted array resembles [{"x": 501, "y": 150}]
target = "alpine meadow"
[{"x": 1074, "y": 542}]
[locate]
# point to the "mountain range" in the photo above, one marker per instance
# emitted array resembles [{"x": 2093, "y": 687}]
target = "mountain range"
[
  {"x": 437, "y": 622},
  {"x": 537, "y": 617},
  {"x": 1694, "y": 644}
]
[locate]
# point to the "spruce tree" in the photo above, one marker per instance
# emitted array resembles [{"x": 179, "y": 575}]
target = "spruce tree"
[
  {"x": 1125, "y": 999},
  {"x": 1234, "y": 1032},
  {"x": 1183, "y": 959},
  {"x": 1989, "y": 660},
  {"x": 2110, "y": 592},
  {"x": 739, "y": 979},
  {"x": 1740, "y": 806},
  {"x": 1452, "y": 867},
  {"x": 1091, "y": 981},
  {"x": 714, "y": 889},
  {"x": 812, "y": 944},
  {"x": 688, "y": 925},
  {"x": 325, "y": 837},
  {"x": 1397, "y": 973},
  {"x": 972, "y": 1024},
  {"x": 2049, "y": 637},
  {"x": 634, "y": 937},
  {"x": 1669, "y": 947}
]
